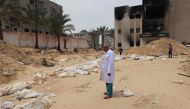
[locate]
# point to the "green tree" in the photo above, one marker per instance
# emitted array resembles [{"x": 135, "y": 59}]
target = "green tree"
[
  {"x": 93, "y": 33},
  {"x": 37, "y": 17},
  {"x": 58, "y": 26},
  {"x": 112, "y": 35},
  {"x": 103, "y": 30},
  {"x": 8, "y": 9}
]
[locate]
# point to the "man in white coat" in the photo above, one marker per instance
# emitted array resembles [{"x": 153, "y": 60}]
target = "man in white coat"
[{"x": 108, "y": 71}]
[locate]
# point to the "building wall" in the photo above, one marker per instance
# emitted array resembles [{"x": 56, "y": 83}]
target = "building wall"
[
  {"x": 177, "y": 20},
  {"x": 45, "y": 41},
  {"x": 47, "y": 4},
  {"x": 124, "y": 27},
  {"x": 136, "y": 23}
]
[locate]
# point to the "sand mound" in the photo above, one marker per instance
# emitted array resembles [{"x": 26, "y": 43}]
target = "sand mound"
[
  {"x": 159, "y": 47},
  {"x": 12, "y": 60}
]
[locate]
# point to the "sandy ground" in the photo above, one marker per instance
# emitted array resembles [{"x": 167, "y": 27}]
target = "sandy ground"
[{"x": 151, "y": 81}]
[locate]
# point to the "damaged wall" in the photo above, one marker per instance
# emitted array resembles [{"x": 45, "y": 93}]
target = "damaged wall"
[{"x": 122, "y": 27}]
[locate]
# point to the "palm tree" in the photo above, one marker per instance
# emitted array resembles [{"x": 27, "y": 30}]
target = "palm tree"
[
  {"x": 58, "y": 26},
  {"x": 37, "y": 16},
  {"x": 103, "y": 30},
  {"x": 93, "y": 33},
  {"x": 112, "y": 35},
  {"x": 8, "y": 9}
]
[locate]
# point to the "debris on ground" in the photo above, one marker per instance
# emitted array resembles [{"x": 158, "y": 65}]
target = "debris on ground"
[
  {"x": 40, "y": 78},
  {"x": 40, "y": 103},
  {"x": 159, "y": 47},
  {"x": 83, "y": 69},
  {"x": 178, "y": 81},
  {"x": 48, "y": 62},
  {"x": 127, "y": 93},
  {"x": 7, "y": 105},
  {"x": 26, "y": 93},
  {"x": 143, "y": 58},
  {"x": 9, "y": 71},
  {"x": 11, "y": 89}
]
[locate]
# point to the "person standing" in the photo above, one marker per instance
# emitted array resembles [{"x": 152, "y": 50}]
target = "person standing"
[
  {"x": 170, "y": 51},
  {"x": 108, "y": 71},
  {"x": 120, "y": 51}
]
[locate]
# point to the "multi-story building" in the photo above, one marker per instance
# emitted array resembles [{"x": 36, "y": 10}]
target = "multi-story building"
[
  {"x": 138, "y": 25},
  {"x": 49, "y": 6}
]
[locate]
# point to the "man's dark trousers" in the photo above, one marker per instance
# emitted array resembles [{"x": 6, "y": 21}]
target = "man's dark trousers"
[{"x": 109, "y": 87}]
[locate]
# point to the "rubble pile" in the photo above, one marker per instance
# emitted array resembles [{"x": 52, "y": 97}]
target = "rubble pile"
[
  {"x": 21, "y": 90},
  {"x": 83, "y": 69},
  {"x": 11, "y": 89},
  {"x": 159, "y": 48}
]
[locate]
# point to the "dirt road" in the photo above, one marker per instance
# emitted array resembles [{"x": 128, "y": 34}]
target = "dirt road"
[{"x": 151, "y": 81}]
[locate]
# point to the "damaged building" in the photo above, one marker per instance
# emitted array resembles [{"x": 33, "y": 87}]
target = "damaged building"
[{"x": 139, "y": 25}]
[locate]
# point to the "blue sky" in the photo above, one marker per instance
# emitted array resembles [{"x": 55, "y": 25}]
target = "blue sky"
[{"x": 87, "y": 14}]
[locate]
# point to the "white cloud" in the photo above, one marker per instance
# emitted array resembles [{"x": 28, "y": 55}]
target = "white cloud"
[{"x": 87, "y": 14}]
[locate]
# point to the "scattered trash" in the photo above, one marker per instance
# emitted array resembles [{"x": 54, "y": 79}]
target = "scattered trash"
[
  {"x": 7, "y": 105},
  {"x": 127, "y": 93},
  {"x": 178, "y": 81}
]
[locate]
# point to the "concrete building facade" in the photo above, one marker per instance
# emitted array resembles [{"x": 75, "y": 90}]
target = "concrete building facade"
[
  {"x": 47, "y": 5},
  {"x": 138, "y": 25}
]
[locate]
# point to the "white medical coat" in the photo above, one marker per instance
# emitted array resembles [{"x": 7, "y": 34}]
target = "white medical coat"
[{"x": 108, "y": 66}]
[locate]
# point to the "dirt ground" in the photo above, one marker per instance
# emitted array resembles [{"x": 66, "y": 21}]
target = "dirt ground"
[{"x": 151, "y": 81}]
